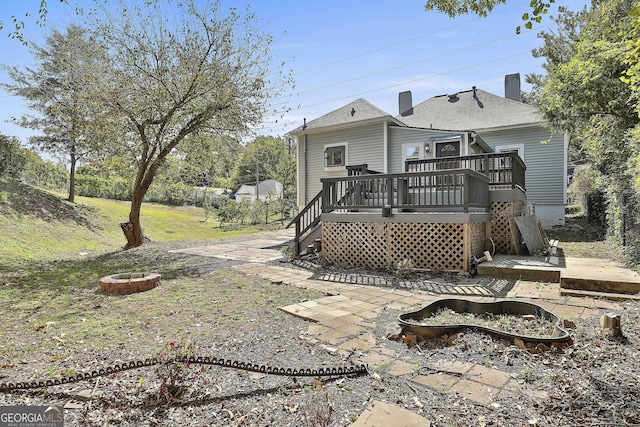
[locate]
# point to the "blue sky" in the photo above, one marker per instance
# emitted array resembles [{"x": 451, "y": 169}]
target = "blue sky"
[{"x": 340, "y": 51}]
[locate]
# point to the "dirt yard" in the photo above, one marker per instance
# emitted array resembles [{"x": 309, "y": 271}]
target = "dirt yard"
[{"x": 205, "y": 308}]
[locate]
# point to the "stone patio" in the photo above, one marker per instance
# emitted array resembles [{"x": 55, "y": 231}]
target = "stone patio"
[{"x": 342, "y": 322}]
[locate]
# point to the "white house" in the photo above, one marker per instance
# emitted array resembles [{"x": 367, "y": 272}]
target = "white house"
[
  {"x": 361, "y": 133},
  {"x": 437, "y": 183},
  {"x": 267, "y": 188}
]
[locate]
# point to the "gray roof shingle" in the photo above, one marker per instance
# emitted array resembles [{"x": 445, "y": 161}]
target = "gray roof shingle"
[
  {"x": 356, "y": 111},
  {"x": 464, "y": 112}
]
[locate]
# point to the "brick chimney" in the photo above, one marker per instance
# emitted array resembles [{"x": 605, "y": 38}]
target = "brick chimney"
[
  {"x": 512, "y": 87},
  {"x": 405, "y": 103}
]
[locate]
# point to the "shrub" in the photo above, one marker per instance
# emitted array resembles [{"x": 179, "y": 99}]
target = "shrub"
[
  {"x": 405, "y": 268},
  {"x": 574, "y": 210},
  {"x": 175, "y": 377},
  {"x": 231, "y": 211}
]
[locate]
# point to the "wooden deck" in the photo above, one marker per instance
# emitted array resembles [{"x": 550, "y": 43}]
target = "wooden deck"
[{"x": 457, "y": 185}]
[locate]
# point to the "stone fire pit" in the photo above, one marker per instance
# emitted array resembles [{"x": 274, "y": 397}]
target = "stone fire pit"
[{"x": 129, "y": 283}]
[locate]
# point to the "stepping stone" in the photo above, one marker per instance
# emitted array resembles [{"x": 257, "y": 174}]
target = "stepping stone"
[
  {"x": 83, "y": 395},
  {"x": 381, "y": 414},
  {"x": 73, "y": 405}
]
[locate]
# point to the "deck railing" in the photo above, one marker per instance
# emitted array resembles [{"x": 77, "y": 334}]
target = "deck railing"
[
  {"x": 503, "y": 169},
  {"x": 458, "y": 188},
  {"x": 363, "y": 169}
]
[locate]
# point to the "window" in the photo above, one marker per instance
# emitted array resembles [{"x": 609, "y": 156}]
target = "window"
[
  {"x": 518, "y": 148},
  {"x": 448, "y": 149},
  {"x": 412, "y": 152},
  {"x": 335, "y": 156}
]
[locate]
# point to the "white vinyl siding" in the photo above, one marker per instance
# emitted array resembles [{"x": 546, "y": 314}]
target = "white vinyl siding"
[
  {"x": 544, "y": 157},
  {"x": 365, "y": 144}
]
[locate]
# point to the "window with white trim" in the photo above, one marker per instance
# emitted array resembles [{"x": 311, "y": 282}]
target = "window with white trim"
[
  {"x": 335, "y": 155},
  {"x": 518, "y": 148}
]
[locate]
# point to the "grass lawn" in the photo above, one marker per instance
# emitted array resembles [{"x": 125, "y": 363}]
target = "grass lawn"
[
  {"x": 54, "y": 253},
  {"x": 37, "y": 224}
]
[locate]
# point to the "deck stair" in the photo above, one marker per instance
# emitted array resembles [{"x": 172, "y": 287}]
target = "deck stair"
[{"x": 308, "y": 227}]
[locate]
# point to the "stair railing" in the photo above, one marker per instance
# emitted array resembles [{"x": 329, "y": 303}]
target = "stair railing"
[{"x": 306, "y": 220}]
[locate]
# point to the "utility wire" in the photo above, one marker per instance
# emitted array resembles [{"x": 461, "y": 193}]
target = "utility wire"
[
  {"x": 409, "y": 64},
  {"x": 408, "y": 81},
  {"x": 359, "y": 55}
]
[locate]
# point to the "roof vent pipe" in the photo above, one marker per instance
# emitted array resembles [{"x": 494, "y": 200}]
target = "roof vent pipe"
[{"x": 304, "y": 123}]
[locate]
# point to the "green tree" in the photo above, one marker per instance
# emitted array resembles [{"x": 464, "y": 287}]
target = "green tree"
[
  {"x": 260, "y": 158},
  {"x": 585, "y": 92},
  {"x": 454, "y": 8},
  {"x": 632, "y": 78},
  {"x": 12, "y": 157},
  {"x": 206, "y": 72},
  {"x": 41, "y": 173},
  {"x": 70, "y": 121},
  {"x": 585, "y": 181},
  {"x": 285, "y": 171},
  {"x": 206, "y": 158}
]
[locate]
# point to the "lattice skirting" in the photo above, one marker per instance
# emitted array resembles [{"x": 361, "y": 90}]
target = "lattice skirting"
[
  {"x": 503, "y": 227},
  {"x": 445, "y": 247}
]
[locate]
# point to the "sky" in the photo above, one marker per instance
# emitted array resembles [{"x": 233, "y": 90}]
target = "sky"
[{"x": 339, "y": 51}]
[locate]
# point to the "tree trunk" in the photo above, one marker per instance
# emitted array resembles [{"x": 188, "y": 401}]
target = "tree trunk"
[
  {"x": 132, "y": 229},
  {"x": 72, "y": 175}
]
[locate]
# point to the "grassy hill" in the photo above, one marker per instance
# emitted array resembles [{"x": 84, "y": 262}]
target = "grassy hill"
[{"x": 39, "y": 224}]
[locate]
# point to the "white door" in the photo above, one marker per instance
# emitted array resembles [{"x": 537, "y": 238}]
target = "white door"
[{"x": 411, "y": 152}]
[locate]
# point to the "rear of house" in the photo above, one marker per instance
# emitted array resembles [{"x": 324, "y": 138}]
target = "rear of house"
[{"x": 432, "y": 183}]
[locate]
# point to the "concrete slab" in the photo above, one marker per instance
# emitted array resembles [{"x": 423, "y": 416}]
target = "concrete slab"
[
  {"x": 488, "y": 376},
  {"x": 522, "y": 268},
  {"x": 584, "y": 274},
  {"x": 439, "y": 382},
  {"x": 599, "y": 275},
  {"x": 357, "y": 344},
  {"x": 474, "y": 391}
]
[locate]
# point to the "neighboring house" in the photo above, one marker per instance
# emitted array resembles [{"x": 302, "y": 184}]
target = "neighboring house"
[
  {"x": 200, "y": 192},
  {"x": 360, "y": 133},
  {"x": 267, "y": 188},
  {"x": 437, "y": 183}
]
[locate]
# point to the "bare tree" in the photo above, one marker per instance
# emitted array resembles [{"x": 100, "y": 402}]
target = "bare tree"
[{"x": 179, "y": 69}]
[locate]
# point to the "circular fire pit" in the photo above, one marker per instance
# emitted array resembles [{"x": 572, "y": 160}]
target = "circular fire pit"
[{"x": 128, "y": 283}]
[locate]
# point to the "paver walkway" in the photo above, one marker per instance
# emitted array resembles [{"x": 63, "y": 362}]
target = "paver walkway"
[{"x": 342, "y": 320}]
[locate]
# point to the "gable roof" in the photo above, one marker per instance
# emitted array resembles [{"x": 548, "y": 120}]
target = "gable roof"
[
  {"x": 246, "y": 190},
  {"x": 263, "y": 188},
  {"x": 269, "y": 185},
  {"x": 359, "y": 110},
  {"x": 464, "y": 112}
]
